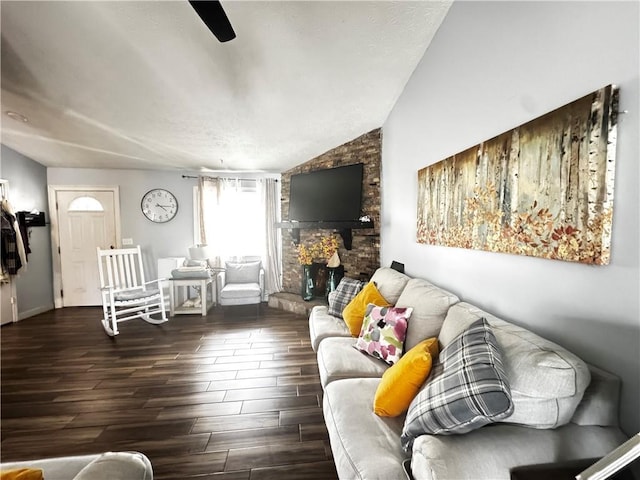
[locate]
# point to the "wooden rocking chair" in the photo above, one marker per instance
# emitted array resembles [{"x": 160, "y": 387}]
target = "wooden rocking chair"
[{"x": 125, "y": 294}]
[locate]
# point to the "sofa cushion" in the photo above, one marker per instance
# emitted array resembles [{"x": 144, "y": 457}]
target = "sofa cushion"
[
  {"x": 547, "y": 382},
  {"x": 337, "y": 360},
  {"x": 545, "y": 412},
  {"x": 137, "y": 294},
  {"x": 491, "y": 452},
  {"x": 401, "y": 382},
  {"x": 354, "y": 312},
  {"x": 390, "y": 283},
  {"x": 343, "y": 294},
  {"x": 322, "y": 325},
  {"x": 180, "y": 273},
  {"x": 468, "y": 388},
  {"x": 364, "y": 445},
  {"x": 430, "y": 306},
  {"x": 240, "y": 290},
  {"x": 383, "y": 332},
  {"x": 242, "y": 272}
]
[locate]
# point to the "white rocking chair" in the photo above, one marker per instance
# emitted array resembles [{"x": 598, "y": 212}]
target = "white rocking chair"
[{"x": 125, "y": 294}]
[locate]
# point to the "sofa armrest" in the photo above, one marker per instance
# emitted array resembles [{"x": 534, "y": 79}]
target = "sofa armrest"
[
  {"x": 117, "y": 466},
  {"x": 109, "y": 465},
  {"x": 220, "y": 283},
  {"x": 599, "y": 405},
  {"x": 261, "y": 283},
  {"x": 490, "y": 452}
]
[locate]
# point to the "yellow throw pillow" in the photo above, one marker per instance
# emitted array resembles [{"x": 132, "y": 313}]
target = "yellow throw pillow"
[
  {"x": 401, "y": 382},
  {"x": 353, "y": 313},
  {"x": 21, "y": 474}
]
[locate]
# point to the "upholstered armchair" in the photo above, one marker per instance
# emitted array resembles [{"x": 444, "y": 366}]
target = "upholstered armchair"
[{"x": 241, "y": 283}]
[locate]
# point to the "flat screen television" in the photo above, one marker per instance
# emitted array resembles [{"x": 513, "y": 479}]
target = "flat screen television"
[{"x": 329, "y": 195}]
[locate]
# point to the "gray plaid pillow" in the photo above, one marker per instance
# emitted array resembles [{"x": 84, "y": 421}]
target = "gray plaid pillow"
[
  {"x": 345, "y": 291},
  {"x": 468, "y": 388}
]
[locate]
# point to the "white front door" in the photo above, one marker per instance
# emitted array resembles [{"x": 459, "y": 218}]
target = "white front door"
[{"x": 86, "y": 220}]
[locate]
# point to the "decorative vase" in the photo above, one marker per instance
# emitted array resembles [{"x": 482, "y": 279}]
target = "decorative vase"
[
  {"x": 334, "y": 261},
  {"x": 319, "y": 274},
  {"x": 307, "y": 283},
  {"x": 332, "y": 281}
]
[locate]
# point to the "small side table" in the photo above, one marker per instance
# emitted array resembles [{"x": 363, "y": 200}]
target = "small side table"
[
  {"x": 566, "y": 470},
  {"x": 207, "y": 295}
]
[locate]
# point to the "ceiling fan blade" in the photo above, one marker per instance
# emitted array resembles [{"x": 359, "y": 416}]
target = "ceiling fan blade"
[{"x": 213, "y": 16}]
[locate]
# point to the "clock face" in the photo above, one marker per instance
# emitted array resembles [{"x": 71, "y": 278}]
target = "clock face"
[{"x": 159, "y": 205}]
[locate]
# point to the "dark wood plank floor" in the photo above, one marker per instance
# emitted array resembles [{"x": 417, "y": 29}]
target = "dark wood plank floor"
[{"x": 217, "y": 397}]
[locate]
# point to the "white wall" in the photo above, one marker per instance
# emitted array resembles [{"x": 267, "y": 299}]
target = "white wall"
[
  {"x": 171, "y": 239},
  {"x": 28, "y": 191},
  {"x": 157, "y": 240},
  {"x": 493, "y": 66}
]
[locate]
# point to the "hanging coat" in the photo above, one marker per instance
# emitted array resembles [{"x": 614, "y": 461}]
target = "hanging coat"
[
  {"x": 11, "y": 261},
  {"x": 14, "y": 240}
]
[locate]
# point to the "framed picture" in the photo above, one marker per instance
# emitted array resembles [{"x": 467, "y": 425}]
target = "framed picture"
[{"x": 542, "y": 189}]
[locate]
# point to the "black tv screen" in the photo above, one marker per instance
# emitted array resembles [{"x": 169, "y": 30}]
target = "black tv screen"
[{"x": 330, "y": 195}]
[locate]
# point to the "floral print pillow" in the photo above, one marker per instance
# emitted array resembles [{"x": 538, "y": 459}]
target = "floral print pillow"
[{"x": 383, "y": 332}]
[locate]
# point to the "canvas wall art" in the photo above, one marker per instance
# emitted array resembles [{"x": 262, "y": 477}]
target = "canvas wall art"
[{"x": 542, "y": 189}]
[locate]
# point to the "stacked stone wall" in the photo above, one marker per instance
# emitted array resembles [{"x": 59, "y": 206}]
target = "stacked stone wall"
[{"x": 364, "y": 257}]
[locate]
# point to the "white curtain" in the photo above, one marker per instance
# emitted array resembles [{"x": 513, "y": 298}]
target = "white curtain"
[
  {"x": 273, "y": 264},
  {"x": 237, "y": 220},
  {"x": 209, "y": 192}
]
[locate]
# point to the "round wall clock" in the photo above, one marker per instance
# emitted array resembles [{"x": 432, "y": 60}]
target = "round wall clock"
[{"x": 159, "y": 205}]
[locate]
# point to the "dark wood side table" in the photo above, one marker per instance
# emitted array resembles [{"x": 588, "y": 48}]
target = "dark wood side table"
[
  {"x": 562, "y": 471},
  {"x": 552, "y": 471}
]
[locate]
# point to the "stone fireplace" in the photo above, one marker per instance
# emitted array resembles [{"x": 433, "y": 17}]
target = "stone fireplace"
[{"x": 364, "y": 256}]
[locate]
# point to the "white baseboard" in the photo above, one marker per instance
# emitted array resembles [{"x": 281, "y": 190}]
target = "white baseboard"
[{"x": 34, "y": 311}]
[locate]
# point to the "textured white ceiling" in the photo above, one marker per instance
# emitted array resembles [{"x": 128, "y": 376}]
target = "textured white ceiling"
[{"x": 146, "y": 85}]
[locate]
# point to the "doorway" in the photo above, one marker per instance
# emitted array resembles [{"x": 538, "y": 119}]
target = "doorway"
[{"x": 82, "y": 219}]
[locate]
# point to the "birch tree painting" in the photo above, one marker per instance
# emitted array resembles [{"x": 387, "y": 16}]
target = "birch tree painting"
[{"x": 543, "y": 189}]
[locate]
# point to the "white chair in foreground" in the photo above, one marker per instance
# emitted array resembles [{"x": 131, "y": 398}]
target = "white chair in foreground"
[{"x": 125, "y": 293}]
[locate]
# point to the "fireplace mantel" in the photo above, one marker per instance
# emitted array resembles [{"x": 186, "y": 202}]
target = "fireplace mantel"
[{"x": 344, "y": 229}]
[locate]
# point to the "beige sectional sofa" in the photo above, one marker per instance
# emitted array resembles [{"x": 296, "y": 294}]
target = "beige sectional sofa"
[{"x": 563, "y": 409}]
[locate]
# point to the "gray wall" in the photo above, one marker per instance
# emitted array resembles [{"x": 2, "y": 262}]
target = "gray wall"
[
  {"x": 493, "y": 66},
  {"x": 171, "y": 239},
  {"x": 28, "y": 191}
]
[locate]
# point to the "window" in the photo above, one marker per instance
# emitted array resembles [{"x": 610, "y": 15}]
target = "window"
[
  {"x": 85, "y": 204},
  {"x": 237, "y": 218},
  {"x": 241, "y": 218},
  {"x": 232, "y": 218}
]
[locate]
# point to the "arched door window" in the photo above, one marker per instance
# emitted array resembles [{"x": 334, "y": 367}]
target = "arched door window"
[{"x": 85, "y": 204}]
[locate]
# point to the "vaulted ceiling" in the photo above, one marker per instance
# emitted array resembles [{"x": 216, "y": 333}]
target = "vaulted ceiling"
[{"x": 146, "y": 85}]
